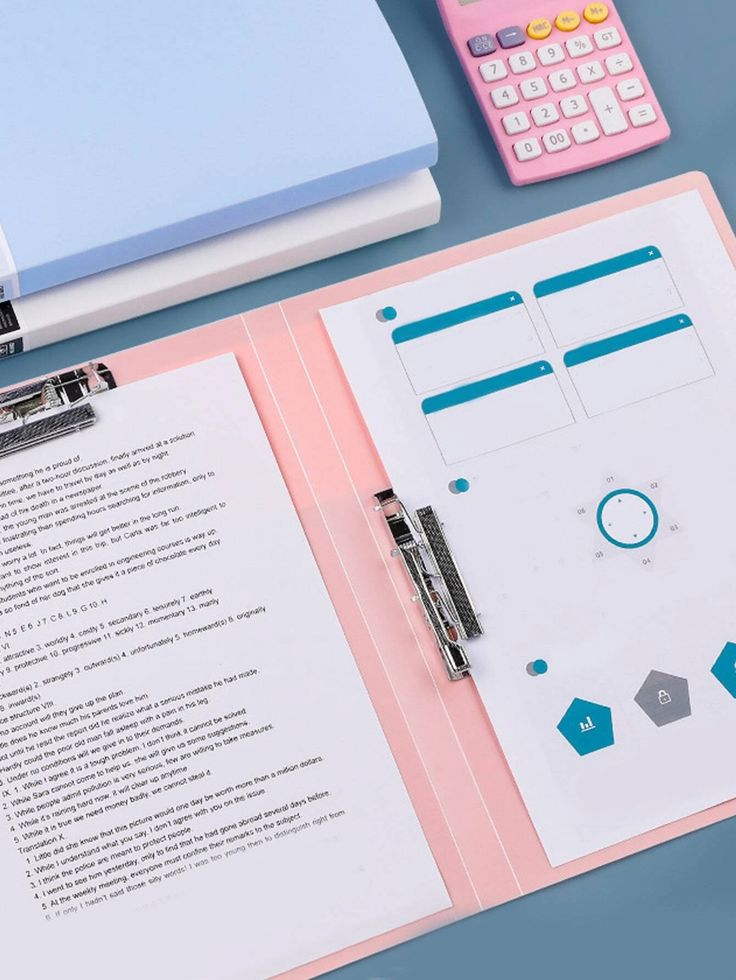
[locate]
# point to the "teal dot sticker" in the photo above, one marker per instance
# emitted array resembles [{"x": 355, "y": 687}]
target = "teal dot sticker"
[
  {"x": 461, "y": 485},
  {"x": 387, "y": 314},
  {"x": 537, "y": 667}
]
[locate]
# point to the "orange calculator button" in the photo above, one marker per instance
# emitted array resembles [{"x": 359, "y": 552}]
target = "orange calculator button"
[
  {"x": 539, "y": 29},
  {"x": 568, "y": 20},
  {"x": 596, "y": 13}
]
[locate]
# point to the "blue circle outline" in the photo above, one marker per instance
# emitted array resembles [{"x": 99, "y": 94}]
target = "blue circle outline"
[{"x": 633, "y": 493}]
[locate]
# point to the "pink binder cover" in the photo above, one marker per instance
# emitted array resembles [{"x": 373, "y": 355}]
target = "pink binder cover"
[{"x": 463, "y": 792}]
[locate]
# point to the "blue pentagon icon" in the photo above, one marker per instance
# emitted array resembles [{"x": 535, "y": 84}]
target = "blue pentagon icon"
[
  {"x": 724, "y": 669},
  {"x": 587, "y": 726}
]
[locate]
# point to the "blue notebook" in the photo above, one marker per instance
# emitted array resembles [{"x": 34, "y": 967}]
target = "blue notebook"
[{"x": 138, "y": 127}]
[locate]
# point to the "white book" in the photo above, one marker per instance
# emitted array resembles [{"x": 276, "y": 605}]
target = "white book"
[{"x": 183, "y": 274}]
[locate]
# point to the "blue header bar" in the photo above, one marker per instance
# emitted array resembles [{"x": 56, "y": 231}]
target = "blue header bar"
[
  {"x": 488, "y": 386},
  {"x": 640, "y": 335},
  {"x": 578, "y": 277},
  {"x": 484, "y": 307}
]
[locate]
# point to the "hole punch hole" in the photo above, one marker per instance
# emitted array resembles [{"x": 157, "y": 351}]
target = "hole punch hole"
[
  {"x": 386, "y": 314},
  {"x": 536, "y": 668},
  {"x": 461, "y": 485}
]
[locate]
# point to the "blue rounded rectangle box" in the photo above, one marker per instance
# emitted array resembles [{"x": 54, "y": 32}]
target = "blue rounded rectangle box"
[
  {"x": 609, "y": 295},
  {"x": 453, "y": 346},
  {"x": 497, "y": 411},
  {"x": 640, "y": 363}
]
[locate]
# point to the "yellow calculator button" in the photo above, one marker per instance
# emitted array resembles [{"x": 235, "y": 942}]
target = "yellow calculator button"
[
  {"x": 568, "y": 20},
  {"x": 596, "y": 13},
  {"x": 539, "y": 29}
]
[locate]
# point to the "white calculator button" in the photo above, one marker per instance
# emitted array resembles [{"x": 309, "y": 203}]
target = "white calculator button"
[
  {"x": 545, "y": 114},
  {"x": 516, "y": 122},
  {"x": 579, "y": 46},
  {"x": 642, "y": 115},
  {"x": 550, "y": 54},
  {"x": 608, "y": 111},
  {"x": 585, "y": 132},
  {"x": 522, "y": 62},
  {"x": 561, "y": 80},
  {"x": 608, "y": 37},
  {"x": 504, "y": 96},
  {"x": 632, "y": 88},
  {"x": 527, "y": 150},
  {"x": 493, "y": 71},
  {"x": 573, "y": 105},
  {"x": 557, "y": 140},
  {"x": 617, "y": 64},
  {"x": 591, "y": 71},
  {"x": 533, "y": 88}
]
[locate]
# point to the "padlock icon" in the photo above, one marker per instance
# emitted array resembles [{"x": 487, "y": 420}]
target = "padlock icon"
[{"x": 664, "y": 697}]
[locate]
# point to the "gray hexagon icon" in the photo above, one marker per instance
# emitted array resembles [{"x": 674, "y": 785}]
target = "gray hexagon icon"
[{"x": 664, "y": 697}]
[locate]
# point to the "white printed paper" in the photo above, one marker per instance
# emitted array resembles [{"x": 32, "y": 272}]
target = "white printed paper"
[
  {"x": 601, "y": 552},
  {"x": 194, "y": 783}
]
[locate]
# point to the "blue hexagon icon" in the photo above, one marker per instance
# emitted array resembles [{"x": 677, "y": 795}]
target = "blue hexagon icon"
[
  {"x": 587, "y": 726},
  {"x": 724, "y": 669}
]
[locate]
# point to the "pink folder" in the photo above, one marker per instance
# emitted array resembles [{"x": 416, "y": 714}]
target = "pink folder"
[{"x": 462, "y": 789}]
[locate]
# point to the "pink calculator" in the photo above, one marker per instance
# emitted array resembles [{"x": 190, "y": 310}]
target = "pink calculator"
[{"x": 561, "y": 90}]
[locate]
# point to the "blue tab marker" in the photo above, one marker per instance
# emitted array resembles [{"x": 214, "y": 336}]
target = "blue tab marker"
[
  {"x": 639, "y": 335},
  {"x": 589, "y": 273},
  {"x": 488, "y": 386},
  {"x": 441, "y": 321}
]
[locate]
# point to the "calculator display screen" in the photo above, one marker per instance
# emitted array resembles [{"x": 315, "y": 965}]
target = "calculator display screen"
[{"x": 464, "y": 3}]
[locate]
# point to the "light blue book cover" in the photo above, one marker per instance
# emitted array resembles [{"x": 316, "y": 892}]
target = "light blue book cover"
[{"x": 137, "y": 126}]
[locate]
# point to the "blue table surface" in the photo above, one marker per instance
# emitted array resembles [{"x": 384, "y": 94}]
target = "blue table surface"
[{"x": 668, "y": 912}]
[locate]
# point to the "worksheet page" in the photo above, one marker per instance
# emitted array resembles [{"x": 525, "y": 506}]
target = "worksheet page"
[
  {"x": 194, "y": 783},
  {"x": 569, "y": 408}
]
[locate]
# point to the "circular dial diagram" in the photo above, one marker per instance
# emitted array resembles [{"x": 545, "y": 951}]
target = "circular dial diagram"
[{"x": 627, "y": 518}]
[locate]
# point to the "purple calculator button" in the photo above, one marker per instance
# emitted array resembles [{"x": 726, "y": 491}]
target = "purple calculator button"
[
  {"x": 481, "y": 44},
  {"x": 511, "y": 37}
]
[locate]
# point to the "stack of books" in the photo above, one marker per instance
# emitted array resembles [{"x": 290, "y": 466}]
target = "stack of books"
[{"x": 191, "y": 150}]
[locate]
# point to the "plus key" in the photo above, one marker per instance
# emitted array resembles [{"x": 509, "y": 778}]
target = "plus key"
[{"x": 608, "y": 111}]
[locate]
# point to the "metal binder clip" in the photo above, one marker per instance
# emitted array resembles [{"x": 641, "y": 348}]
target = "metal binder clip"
[
  {"x": 448, "y": 609},
  {"x": 57, "y": 406}
]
